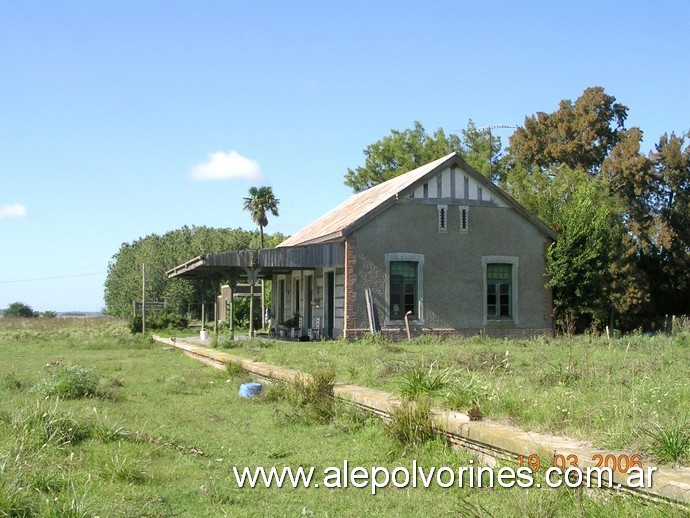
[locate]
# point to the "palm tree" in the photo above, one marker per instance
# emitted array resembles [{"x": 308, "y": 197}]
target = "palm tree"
[{"x": 259, "y": 203}]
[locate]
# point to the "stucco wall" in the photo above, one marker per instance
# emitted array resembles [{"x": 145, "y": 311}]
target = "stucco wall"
[{"x": 453, "y": 277}]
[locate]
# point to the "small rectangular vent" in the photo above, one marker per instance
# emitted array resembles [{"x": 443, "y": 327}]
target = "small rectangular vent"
[
  {"x": 464, "y": 219},
  {"x": 442, "y": 218}
]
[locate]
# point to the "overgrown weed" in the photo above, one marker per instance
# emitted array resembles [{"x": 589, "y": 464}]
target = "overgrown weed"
[
  {"x": 235, "y": 370},
  {"x": 69, "y": 382},
  {"x": 423, "y": 380},
  {"x": 671, "y": 442},
  {"x": 13, "y": 382},
  {"x": 465, "y": 392},
  {"x": 410, "y": 423},
  {"x": 123, "y": 469},
  {"x": 311, "y": 396}
]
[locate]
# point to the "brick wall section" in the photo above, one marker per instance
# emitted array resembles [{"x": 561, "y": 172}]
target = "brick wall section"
[
  {"x": 399, "y": 334},
  {"x": 350, "y": 320}
]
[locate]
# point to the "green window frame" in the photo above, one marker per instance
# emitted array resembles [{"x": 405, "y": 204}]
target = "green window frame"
[
  {"x": 499, "y": 291},
  {"x": 403, "y": 289}
]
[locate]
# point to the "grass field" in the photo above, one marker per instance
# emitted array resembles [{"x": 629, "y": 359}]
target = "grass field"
[
  {"x": 94, "y": 422},
  {"x": 608, "y": 392}
]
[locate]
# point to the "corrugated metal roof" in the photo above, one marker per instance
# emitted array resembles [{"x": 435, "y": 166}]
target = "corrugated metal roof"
[{"x": 361, "y": 206}]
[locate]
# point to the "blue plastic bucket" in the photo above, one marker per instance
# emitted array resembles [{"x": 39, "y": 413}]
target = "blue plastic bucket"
[{"x": 250, "y": 389}]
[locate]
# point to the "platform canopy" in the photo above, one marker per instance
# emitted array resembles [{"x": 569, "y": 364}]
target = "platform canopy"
[{"x": 265, "y": 262}]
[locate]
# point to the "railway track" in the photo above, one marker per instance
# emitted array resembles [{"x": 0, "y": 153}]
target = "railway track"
[{"x": 492, "y": 442}]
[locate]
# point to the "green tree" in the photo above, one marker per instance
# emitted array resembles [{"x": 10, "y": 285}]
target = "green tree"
[
  {"x": 667, "y": 258},
  {"x": 399, "y": 152},
  {"x": 585, "y": 145},
  {"x": 579, "y": 134},
  {"x": 20, "y": 310},
  {"x": 578, "y": 261},
  {"x": 123, "y": 282},
  {"x": 482, "y": 151}
]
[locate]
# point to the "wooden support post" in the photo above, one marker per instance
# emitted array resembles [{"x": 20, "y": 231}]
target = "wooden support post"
[
  {"x": 215, "y": 319},
  {"x": 251, "y": 311}
]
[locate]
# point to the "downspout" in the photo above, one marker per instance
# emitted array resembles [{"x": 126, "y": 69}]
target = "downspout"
[{"x": 407, "y": 325}]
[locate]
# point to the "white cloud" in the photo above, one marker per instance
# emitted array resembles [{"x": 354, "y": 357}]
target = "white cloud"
[
  {"x": 12, "y": 211},
  {"x": 227, "y": 166}
]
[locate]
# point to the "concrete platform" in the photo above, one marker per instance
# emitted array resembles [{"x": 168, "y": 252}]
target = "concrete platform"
[{"x": 493, "y": 441}]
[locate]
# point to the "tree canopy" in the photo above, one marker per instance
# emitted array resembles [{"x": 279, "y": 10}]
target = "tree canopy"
[
  {"x": 579, "y": 134},
  {"x": 399, "y": 152},
  {"x": 644, "y": 264},
  {"x": 123, "y": 282},
  {"x": 402, "y": 151}
]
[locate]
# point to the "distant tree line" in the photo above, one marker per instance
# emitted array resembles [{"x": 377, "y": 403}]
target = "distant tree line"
[
  {"x": 623, "y": 255},
  {"x": 20, "y": 310},
  {"x": 123, "y": 282}
]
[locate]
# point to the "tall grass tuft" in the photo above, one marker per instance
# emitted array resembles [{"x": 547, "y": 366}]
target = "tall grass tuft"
[
  {"x": 410, "y": 423},
  {"x": 15, "y": 498},
  {"x": 12, "y": 382},
  {"x": 465, "y": 393},
  {"x": 41, "y": 425},
  {"x": 312, "y": 396},
  {"x": 670, "y": 443},
  {"x": 72, "y": 505},
  {"x": 420, "y": 380},
  {"x": 122, "y": 469},
  {"x": 69, "y": 382}
]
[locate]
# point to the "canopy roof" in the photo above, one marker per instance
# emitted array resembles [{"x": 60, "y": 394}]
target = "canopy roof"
[{"x": 267, "y": 261}]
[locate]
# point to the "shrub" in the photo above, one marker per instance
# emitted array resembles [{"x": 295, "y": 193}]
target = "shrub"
[
  {"x": 241, "y": 312},
  {"x": 69, "y": 382},
  {"x": 166, "y": 319}
]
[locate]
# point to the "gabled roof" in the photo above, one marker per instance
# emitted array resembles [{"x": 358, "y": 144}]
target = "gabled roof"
[{"x": 361, "y": 207}]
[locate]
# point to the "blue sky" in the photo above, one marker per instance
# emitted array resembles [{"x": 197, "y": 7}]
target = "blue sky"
[{"x": 122, "y": 119}]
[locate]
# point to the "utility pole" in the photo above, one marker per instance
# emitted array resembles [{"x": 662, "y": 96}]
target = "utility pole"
[
  {"x": 491, "y": 150},
  {"x": 143, "y": 298}
]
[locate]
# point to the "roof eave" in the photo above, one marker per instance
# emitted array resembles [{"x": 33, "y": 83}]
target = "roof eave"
[{"x": 185, "y": 267}]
